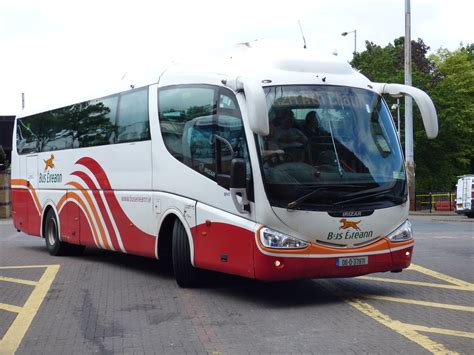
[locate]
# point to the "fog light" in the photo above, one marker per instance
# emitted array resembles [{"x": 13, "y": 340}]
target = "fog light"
[
  {"x": 277, "y": 263},
  {"x": 407, "y": 253}
]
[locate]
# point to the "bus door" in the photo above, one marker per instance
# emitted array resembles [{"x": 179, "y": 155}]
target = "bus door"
[
  {"x": 223, "y": 242},
  {"x": 33, "y": 210}
]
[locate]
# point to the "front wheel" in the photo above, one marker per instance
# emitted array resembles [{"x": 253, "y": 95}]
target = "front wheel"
[{"x": 185, "y": 273}]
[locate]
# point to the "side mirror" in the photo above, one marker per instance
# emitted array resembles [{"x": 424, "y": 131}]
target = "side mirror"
[
  {"x": 423, "y": 101},
  {"x": 256, "y": 103},
  {"x": 238, "y": 185}
]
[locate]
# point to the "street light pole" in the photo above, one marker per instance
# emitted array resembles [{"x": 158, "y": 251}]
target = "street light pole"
[
  {"x": 409, "y": 156},
  {"x": 355, "y": 38}
]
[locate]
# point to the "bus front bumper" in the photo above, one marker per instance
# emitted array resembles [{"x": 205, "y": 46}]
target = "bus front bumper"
[{"x": 323, "y": 262}]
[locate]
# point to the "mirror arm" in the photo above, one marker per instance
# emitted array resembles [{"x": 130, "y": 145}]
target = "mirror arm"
[
  {"x": 242, "y": 206},
  {"x": 423, "y": 101}
]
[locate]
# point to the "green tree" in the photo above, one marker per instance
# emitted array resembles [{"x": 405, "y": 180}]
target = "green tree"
[
  {"x": 448, "y": 77},
  {"x": 452, "y": 153}
]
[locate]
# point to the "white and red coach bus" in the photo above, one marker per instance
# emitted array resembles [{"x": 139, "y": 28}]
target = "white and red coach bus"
[{"x": 273, "y": 169}]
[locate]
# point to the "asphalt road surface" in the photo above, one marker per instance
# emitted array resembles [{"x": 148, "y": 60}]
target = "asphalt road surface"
[{"x": 104, "y": 302}]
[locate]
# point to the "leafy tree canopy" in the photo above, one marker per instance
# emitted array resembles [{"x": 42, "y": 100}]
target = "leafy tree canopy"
[{"x": 448, "y": 77}]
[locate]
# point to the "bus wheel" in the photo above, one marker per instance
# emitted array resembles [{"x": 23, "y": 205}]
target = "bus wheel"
[
  {"x": 184, "y": 271},
  {"x": 51, "y": 235}
]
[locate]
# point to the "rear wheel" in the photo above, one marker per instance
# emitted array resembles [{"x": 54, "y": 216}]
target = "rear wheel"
[
  {"x": 185, "y": 273},
  {"x": 51, "y": 235}
]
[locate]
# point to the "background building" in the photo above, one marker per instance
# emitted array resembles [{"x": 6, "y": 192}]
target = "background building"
[{"x": 6, "y": 131}]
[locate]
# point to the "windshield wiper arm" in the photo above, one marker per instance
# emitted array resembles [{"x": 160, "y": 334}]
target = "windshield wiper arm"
[
  {"x": 297, "y": 202},
  {"x": 372, "y": 195},
  {"x": 335, "y": 149},
  {"x": 292, "y": 205}
]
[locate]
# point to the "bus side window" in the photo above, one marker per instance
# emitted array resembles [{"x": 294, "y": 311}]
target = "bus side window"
[
  {"x": 187, "y": 125},
  {"x": 26, "y": 135},
  {"x": 230, "y": 127},
  {"x": 202, "y": 127},
  {"x": 132, "y": 121},
  {"x": 95, "y": 123}
]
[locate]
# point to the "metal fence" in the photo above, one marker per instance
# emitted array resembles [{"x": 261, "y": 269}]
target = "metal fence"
[{"x": 435, "y": 201}]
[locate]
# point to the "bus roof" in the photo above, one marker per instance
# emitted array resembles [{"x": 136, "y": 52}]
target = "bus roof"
[{"x": 270, "y": 65}]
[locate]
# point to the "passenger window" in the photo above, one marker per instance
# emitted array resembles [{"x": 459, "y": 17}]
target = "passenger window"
[
  {"x": 27, "y": 135},
  {"x": 132, "y": 124},
  {"x": 186, "y": 124},
  {"x": 225, "y": 102},
  {"x": 56, "y": 129},
  {"x": 202, "y": 127},
  {"x": 95, "y": 123}
]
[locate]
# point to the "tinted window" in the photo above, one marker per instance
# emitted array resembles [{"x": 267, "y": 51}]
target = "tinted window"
[
  {"x": 132, "y": 124},
  {"x": 86, "y": 124},
  {"x": 178, "y": 108},
  {"x": 27, "y": 135},
  {"x": 56, "y": 129},
  {"x": 95, "y": 122},
  {"x": 202, "y": 127}
]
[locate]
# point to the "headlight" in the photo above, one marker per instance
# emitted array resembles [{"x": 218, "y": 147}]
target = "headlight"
[
  {"x": 273, "y": 239},
  {"x": 402, "y": 233}
]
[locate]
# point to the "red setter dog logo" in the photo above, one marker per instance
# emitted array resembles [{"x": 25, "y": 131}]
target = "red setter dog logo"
[
  {"x": 49, "y": 163},
  {"x": 345, "y": 224}
]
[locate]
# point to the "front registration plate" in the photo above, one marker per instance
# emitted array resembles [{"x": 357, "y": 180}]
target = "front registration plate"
[{"x": 362, "y": 260}]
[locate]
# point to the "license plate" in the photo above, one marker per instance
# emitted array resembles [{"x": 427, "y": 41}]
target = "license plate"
[{"x": 355, "y": 261}]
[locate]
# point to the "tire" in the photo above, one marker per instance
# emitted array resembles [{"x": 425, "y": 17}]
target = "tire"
[
  {"x": 51, "y": 235},
  {"x": 185, "y": 273},
  {"x": 470, "y": 215}
]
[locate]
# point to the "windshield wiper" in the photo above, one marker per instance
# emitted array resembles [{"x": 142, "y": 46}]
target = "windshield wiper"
[
  {"x": 335, "y": 150},
  {"x": 294, "y": 204},
  {"x": 363, "y": 195}
]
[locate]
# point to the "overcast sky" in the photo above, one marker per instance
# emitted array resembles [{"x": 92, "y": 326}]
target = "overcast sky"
[{"x": 57, "y": 51}]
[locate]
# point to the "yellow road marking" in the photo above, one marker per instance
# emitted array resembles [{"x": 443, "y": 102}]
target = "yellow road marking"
[
  {"x": 12, "y": 339},
  {"x": 10, "y": 308},
  {"x": 417, "y": 283},
  {"x": 24, "y": 267},
  {"x": 443, "y": 331},
  {"x": 440, "y": 276},
  {"x": 18, "y": 281},
  {"x": 399, "y": 327},
  {"x": 421, "y": 303}
]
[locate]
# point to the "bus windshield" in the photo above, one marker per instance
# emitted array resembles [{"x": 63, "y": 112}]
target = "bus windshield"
[{"x": 330, "y": 147}]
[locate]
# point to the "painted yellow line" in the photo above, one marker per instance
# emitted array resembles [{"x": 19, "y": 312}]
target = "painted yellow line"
[
  {"x": 421, "y": 303},
  {"x": 16, "y": 332},
  {"x": 385, "y": 320},
  {"x": 440, "y": 276},
  {"x": 18, "y": 281},
  {"x": 24, "y": 267},
  {"x": 455, "y": 333},
  {"x": 417, "y": 283},
  {"x": 10, "y": 308}
]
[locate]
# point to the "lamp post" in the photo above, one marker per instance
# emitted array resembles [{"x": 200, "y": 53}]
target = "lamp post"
[
  {"x": 355, "y": 38},
  {"x": 397, "y": 107}
]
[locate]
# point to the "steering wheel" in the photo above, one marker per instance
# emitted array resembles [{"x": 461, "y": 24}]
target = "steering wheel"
[{"x": 277, "y": 158}]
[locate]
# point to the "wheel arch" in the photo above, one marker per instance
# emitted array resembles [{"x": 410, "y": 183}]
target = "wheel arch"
[
  {"x": 48, "y": 206},
  {"x": 165, "y": 234}
]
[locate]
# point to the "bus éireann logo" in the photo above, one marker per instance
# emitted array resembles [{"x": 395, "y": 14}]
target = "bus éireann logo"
[
  {"x": 351, "y": 231},
  {"x": 49, "y": 163},
  {"x": 48, "y": 176},
  {"x": 345, "y": 224}
]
